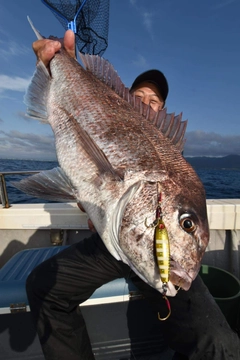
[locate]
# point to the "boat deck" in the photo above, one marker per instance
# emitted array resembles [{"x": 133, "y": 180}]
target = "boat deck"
[{"x": 115, "y": 328}]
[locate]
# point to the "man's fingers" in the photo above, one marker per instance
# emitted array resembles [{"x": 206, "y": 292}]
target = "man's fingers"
[
  {"x": 69, "y": 42},
  {"x": 91, "y": 226},
  {"x": 46, "y": 49}
]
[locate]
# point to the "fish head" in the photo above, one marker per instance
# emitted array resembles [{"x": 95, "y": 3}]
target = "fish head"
[{"x": 184, "y": 215}]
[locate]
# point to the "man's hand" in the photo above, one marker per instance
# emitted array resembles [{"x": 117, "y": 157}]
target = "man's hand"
[
  {"x": 45, "y": 49},
  {"x": 90, "y": 224}
]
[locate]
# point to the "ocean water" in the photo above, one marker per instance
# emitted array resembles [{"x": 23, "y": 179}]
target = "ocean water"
[
  {"x": 16, "y": 196},
  {"x": 219, "y": 184}
]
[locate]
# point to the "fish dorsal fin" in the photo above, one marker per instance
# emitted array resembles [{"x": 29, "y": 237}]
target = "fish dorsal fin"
[
  {"x": 171, "y": 126},
  {"x": 104, "y": 71}
]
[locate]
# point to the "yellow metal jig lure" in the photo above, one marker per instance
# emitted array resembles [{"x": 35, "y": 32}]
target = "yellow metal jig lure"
[
  {"x": 163, "y": 255},
  {"x": 162, "y": 249}
]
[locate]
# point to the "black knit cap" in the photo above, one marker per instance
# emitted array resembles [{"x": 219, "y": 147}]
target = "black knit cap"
[{"x": 157, "y": 78}]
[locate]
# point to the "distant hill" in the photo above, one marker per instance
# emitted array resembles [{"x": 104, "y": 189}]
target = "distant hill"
[{"x": 225, "y": 162}]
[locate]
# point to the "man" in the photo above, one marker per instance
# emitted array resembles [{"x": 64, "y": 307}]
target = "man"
[{"x": 196, "y": 329}]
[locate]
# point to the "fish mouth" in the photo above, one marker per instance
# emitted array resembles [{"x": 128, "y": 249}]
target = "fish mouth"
[{"x": 179, "y": 277}]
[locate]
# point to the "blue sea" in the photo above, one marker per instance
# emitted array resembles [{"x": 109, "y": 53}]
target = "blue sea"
[{"x": 219, "y": 184}]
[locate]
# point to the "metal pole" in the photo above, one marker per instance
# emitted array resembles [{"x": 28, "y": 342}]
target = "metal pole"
[{"x": 3, "y": 192}]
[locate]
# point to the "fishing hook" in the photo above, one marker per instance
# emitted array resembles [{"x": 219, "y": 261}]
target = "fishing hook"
[
  {"x": 152, "y": 225},
  {"x": 169, "y": 309}
]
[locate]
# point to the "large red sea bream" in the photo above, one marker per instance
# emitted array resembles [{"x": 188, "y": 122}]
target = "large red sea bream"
[{"x": 122, "y": 162}]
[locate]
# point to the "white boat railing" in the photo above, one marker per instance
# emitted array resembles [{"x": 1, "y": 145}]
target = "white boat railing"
[
  {"x": 3, "y": 188},
  {"x": 32, "y": 225}
]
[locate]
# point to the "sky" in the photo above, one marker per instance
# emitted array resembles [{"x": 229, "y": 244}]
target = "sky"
[{"x": 194, "y": 43}]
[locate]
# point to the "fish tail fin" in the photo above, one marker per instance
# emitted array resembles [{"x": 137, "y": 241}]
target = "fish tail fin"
[
  {"x": 37, "y": 33},
  {"x": 37, "y": 94}
]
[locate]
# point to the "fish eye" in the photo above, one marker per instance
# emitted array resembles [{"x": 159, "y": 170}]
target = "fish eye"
[{"x": 187, "y": 223}]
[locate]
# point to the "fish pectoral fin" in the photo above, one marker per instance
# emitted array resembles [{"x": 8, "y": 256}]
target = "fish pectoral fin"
[
  {"x": 93, "y": 150},
  {"x": 37, "y": 94},
  {"x": 99, "y": 158},
  {"x": 51, "y": 185}
]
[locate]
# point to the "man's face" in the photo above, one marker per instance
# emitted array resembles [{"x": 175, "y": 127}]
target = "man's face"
[{"x": 149, "y": 94}]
